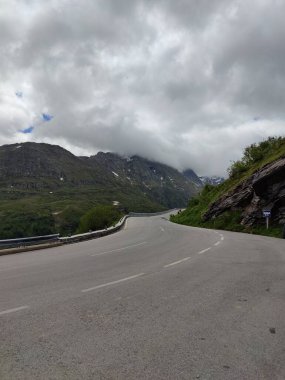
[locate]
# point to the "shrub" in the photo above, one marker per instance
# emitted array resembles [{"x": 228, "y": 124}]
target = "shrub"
[
  {"x": 98, "y": 218},
  {"x": 255, "y": 153},
  {"x": 26, "y": 223}
]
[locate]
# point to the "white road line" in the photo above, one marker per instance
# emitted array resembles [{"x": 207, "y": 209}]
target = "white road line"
[
  {"x": 162, "y": 229},
  {"x": 13, "y": 310},
  {"x": 119, "y": 249},
  {"x": 218, "y": 243},
  {"x": 204, "y": 250},
  {"x": 176, "y": 262},
  {"x": 222, "y": 237},
  {"x": 112, "y": 283}
]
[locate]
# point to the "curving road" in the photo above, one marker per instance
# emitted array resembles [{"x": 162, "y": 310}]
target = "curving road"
[{"x": 154, "y": 301}]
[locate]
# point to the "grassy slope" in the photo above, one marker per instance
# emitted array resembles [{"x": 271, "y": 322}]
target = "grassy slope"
[
  {"x": 35, "y": 200},
  {"x": 229, "y": 220},
  {"x": 21, "y": 210}
]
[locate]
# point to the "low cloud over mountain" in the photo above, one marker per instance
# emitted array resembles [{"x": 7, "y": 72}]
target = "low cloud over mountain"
[{"x": 186, "y": 83}]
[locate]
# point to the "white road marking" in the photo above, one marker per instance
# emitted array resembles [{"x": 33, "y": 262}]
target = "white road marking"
[
  {"x": 222, "y": 237},
  {"x": 162, "y": 229},
  {"x": 204, "y": 250},
  {"x": 119, "y": 249},
  {"x": 177, "y": 262},
  {"x": 112, "y": 283},
  {"x": 216, "y": 244},
  {"x": 13, "y": 310}
]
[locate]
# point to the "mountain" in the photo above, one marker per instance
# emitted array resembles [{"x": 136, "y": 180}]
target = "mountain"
[
  {"x": 32, "y": 166},
  {"x": 201, "y": 181},
  {"x": 256, "y": 183},
  {"x": 192, "y": 176},
  {"x": 213, "y": 180},
  {"x": 48, "y": 182},
  {"x": 160, "y": 182}
]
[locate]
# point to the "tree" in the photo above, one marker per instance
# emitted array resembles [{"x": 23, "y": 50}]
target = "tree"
[{"x": 98, "y": 218}]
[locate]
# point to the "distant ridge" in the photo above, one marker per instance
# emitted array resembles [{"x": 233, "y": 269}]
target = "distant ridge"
[
  {"x": 48, "y": 180},
  {"x": 192, "y": 176},
  {"x": 212, "y": 180}
]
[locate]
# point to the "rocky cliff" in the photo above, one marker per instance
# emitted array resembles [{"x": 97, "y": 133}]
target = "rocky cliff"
[{"x": 264, "y": 190}]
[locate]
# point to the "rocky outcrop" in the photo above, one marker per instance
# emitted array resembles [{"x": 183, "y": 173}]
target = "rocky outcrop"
[{"x": 265, "y": 189}]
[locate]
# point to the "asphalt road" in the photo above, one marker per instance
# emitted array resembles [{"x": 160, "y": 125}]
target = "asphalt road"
[{"x": 154, "y": 301}]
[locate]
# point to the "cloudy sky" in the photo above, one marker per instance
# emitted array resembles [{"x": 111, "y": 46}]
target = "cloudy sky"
[{"x": 187, "y": 82}]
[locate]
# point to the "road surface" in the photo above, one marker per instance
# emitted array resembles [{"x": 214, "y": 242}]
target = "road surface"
[{"x": 154, "y": 301}]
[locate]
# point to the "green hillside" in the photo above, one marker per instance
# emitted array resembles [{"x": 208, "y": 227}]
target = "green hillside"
[
  {"x": 255, "y": 157},
  {"x": 46, "y": 189}
]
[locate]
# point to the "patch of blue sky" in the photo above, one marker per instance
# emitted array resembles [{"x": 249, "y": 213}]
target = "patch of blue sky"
[
  {"x": 27, "y": 130},
  {"x": 47, "y": 117}
]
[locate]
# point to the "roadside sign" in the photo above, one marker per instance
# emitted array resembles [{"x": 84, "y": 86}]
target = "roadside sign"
[{"x": 267, "y": 215}]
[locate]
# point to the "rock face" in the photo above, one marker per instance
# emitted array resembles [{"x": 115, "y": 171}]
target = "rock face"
[{"x": 264, "y": 190}]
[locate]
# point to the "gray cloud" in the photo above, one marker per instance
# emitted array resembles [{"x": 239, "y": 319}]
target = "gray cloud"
[{"x": 181, "y": 82}]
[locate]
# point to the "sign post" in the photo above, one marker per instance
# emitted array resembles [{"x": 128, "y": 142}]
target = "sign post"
[{"x": 267, "y": 215}]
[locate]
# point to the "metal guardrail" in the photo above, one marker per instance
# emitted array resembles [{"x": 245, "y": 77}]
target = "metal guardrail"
[
  {"x": 46, "y": 239},
  {"x": 151, "y": 213},
  {"x": 94, "y": 234},
  {"x": 55, "y": 238},
  {"x": 32, "y": 240}
]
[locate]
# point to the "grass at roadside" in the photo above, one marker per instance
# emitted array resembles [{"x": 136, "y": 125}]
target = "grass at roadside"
[
  {"x": 255, "y": 157},
  {"x": 228, "y": 221}
]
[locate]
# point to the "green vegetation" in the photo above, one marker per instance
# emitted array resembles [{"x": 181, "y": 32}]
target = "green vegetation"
[
  {"x": 26, "y": 223},
  {"x": 98, "y": 218},
  {"x": 42, "y": 179},
  {"x": 60, "y": 211},
  {"x": 257, "y": 155},
  {"x": 254, "y": 157}
]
